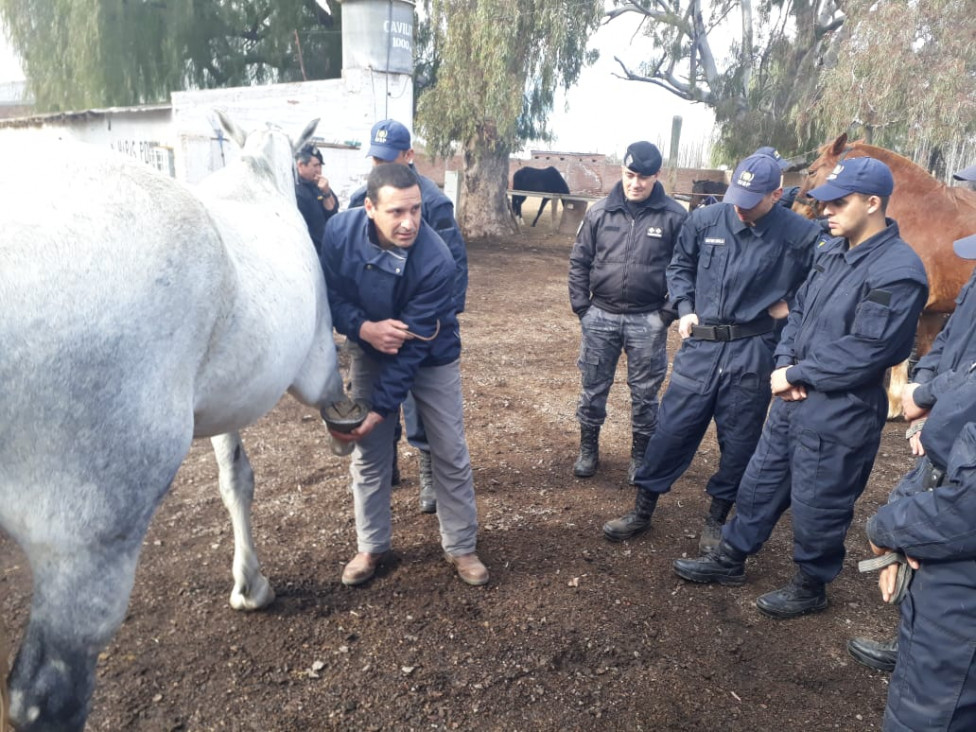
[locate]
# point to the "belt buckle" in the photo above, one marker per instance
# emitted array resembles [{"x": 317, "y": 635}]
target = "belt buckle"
[{"x": 722, "y": 332}]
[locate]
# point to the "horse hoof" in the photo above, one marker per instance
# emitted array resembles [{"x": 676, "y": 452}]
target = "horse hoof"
[{"x": 261, "y": 595}]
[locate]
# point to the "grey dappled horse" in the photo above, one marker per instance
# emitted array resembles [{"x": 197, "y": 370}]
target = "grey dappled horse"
[{"x": 137, "y": 315}]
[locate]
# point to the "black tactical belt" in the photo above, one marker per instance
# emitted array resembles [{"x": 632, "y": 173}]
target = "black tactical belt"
[{"x": 732, "y": 331}]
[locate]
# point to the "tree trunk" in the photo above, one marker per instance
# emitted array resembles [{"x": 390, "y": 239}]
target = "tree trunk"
[{"x": 484, "y": 209}]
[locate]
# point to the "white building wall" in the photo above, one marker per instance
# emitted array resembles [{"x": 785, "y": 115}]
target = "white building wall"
[{"x": 346, "y": 108}]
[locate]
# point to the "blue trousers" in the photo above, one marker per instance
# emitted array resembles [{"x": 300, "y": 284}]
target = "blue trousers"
[
  {"x": 933, "y": 686},
  {"x": 643, "y": 337},
  {"x": 814, "y": 456},
  {"x": 727, "y": 381}
]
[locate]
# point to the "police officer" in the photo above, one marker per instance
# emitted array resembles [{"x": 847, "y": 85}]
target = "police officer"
[
  {"x": 954, "y": 348},
  {"x": 391, "y": 283},
  {"x": 854, "y": 317},
  {"x": 390, "y": 143},
  {"x": 617, "y": 288},
  {"x": 316, "y": 200},
  {"x": 735, "y": 266},
  {"x": 932, "y": 523}
]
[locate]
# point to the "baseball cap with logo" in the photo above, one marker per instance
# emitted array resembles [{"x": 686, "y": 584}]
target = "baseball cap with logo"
[
  {"x": 966, "y": 247},
  {"x": 643, "y": 158},
  {"x": 868, "y": 176},
  {"x": 771, "y": 152},
  {"x": 754, "y": 177},
  {"x": 968, "y": 174},
  {"x": 388, "y": 139}
]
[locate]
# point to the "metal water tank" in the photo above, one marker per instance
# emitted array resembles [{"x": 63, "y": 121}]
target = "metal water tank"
[{"x": 378, "y": 35}]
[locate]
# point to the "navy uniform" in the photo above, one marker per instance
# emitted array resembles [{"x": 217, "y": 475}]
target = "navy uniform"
[
  {"x": 854, "y": 317},
  {"x": 953, "y": 349},
  {"x": 618, "y": 289},
  {"x": 729, "y": 274},
  {"x": 934, "y": 682},
  {"x": 390, "y": 141},
  {"x": 311, "y": 200}
]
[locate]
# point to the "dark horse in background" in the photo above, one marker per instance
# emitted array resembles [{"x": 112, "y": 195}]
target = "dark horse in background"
[
  {"x": 539, "y": 180},
  {"x": 706, "y": 192},
  {"x": 930, "y": 216}
]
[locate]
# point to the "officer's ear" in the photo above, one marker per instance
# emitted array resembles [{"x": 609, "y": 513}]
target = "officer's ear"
[
  {"x": 369, "y": 206},
  {"x": 874, "y": 204}
]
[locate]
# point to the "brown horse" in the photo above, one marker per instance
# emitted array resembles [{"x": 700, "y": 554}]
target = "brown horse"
[{"x": 930, "y": 216}]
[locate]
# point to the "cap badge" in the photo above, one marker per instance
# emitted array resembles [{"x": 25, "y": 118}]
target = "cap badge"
[{"x": 745, "y": 178}]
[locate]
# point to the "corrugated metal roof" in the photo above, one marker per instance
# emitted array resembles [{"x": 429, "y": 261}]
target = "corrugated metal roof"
[{"x": 41, "y": 119}]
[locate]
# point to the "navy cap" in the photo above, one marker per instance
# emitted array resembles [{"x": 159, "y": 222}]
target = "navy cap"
[
  {"x": 868, "y": 176},
  {"x": 754, "y": 177},
  {"x": 388, "y": 139},
  {"x": 966, "y": 174},
  {"x": 309, "y": 151},
  {"x": 771, "y": 152},
  {"x": 966, "y": 247},
  {"x": 643, "y": 158}
]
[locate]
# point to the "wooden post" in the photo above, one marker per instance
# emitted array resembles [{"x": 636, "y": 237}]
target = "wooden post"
[{"x": 673, "y": 153}]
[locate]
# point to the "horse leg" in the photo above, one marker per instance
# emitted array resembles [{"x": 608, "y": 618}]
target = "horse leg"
[
  {"x": 897, "y": 379},
  {"x": 544, "y": 202},
  {"x": 4, "y": 668},
  {"x": 252, "y": 591},
  {"x": 80, "y": 596}
]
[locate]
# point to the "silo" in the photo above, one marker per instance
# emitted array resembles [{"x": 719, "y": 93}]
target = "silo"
[{"x": 378, "y": 35}]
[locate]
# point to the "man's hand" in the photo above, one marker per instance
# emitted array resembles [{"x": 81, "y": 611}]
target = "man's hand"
[
  {"x": 908, "y": 406},
  {"x": 782, "y": 388},
  {"x": 386, "y": 336},
  {"x": 372, "y": 419},
  {"x": 915, "y": 442},
  {"x": 329, "y": 201},
  {"x": 889, "y": 575},
  {"x": 685, "y": 323},
  {"x": 778, "y": 310}
]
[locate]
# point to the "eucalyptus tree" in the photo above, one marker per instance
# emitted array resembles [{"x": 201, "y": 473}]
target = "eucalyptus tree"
[
  {"x": 89, "y": 53},
  {"x": 499, "y": 63}
]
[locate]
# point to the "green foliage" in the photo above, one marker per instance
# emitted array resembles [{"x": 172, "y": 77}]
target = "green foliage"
[
  {"x": 90, "y": 53},
  {"x": 500, "y": 62},
  {"x": 905, "y": 74}
]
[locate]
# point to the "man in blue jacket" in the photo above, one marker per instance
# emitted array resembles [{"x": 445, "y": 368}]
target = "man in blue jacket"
[
  {"x": 316, "y": 200},
  {"x": 953, "y": 349},
  {"x": 735, "y": 267},
  {"x": 617, "y": 288},
  {"x": 390, "y": 143},
  {"x": 931, "y": 522},
  {"x": 854, "y": 317},
  {"x": 391, "y": 282}
]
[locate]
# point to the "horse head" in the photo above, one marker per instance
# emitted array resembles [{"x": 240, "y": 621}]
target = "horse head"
[{"x": 269, "y": 148}]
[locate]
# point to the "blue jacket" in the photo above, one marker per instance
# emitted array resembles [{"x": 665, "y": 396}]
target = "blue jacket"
[
  {"x": 856, "y": 314},
  {"x": 954, "y": 347},
  {"x": 939, "y": 524},
  {"x": 309, "y": 199},
  {"x": 728, "y": 272},
  {"x": 619, "y": 258},
  {"x": 438, "y": 211},
  {"x": 415, "y": 285}
]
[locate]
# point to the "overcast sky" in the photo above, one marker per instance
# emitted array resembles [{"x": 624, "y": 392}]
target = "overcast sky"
[{"x": 607, "y": 113}]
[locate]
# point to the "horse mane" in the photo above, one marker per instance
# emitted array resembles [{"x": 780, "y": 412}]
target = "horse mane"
[{"x": 901, "y": 167}]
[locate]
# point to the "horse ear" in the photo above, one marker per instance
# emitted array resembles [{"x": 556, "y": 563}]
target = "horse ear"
[
  {"x": 306, "y": 133},
  {"x": 230, "y": 127},
  {"x": 839, "y": 144}
]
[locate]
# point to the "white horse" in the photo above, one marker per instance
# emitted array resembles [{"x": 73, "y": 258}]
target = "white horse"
[{"x": 136, "y": 315}]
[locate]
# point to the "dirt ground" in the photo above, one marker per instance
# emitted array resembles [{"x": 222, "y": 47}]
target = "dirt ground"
[{"x": 572, "y": 632}]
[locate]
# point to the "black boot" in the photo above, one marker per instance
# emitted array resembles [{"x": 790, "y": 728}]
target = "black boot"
[
  {"x": 802, "y": 595},
  {"x": 637, "y": 449},
  {"x": 725, "y": 565},
  {"x": 879, "y": 656},
  {"x": 428, "y": 498},
  {"x": 589, "y": 454},
  {"x": 711, "y": 534},
  {"x": 634, "y": 522}
]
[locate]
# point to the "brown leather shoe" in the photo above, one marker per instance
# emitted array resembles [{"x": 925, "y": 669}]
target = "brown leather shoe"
[
  {"x": 469, "y": 568},
  {"x": 360, "y": 568}
]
